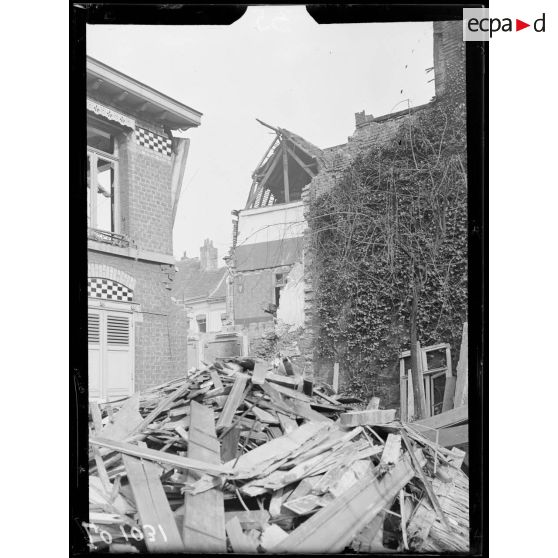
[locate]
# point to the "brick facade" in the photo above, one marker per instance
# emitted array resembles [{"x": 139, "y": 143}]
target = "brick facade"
[
  {"x": 145, "y": 156},
  {"x": 161, "y": 327}
]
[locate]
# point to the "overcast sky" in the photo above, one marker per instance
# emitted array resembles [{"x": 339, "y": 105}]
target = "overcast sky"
[{"x": 276, "y": 64}]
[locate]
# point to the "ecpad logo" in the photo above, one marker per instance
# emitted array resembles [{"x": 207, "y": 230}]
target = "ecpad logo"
[{"x": 478, "y": 26}]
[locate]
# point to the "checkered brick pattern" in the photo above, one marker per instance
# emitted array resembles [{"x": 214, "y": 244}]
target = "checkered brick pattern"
[
  {"x": 153, "y": 141},
  {"x": 108, "y": 289}
]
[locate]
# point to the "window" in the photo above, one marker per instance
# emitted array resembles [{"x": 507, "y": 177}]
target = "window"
[
  {"x": 202, "y": 323},
  {"x": 280, "y": 282},
  {"x": 102, "y": 187}
]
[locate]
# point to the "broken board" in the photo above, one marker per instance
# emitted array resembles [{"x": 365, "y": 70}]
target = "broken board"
[{"x": 204, "y": 514}]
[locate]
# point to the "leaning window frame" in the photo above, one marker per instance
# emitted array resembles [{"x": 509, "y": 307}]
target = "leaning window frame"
[{"x": 93, "y": 154}]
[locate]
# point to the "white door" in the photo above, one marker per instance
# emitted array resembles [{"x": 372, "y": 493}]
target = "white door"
[{"x": 111, "y": 354}]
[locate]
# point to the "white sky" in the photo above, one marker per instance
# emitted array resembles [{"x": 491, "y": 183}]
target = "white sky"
[{"x": 276, "y": 64}]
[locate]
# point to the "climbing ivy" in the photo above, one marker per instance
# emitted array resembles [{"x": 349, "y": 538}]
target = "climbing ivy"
[{"x": 394, "y": 224}]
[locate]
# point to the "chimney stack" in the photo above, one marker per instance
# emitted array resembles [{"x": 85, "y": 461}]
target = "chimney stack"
[{"x": 208, "y": 256}]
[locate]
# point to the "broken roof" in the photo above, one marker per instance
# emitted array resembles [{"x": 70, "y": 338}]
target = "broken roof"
[
  {"x": 288, "y": 165},
  {"x": 191, "y": 282}
]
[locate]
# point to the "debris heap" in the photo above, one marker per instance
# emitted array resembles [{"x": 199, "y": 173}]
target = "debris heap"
[{"x": 238, "y": 458}]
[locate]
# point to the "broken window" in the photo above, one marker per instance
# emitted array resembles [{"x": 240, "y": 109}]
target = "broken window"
[
  {"x": 202, "y": 323},
  {"x": 280, "y": 282},
  {"x": 102, "y": 187}
]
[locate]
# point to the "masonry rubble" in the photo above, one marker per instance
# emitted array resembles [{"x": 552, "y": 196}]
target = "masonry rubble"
[{"x": 243, "y": 456}]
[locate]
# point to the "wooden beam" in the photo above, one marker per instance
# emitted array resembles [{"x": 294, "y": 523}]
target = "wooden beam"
[
  {"x": 260, "y": 371},
  {"x": 358, "y": 418},
  {"x": 235, "y": 397},
  {"x": 461, "y": 386},
  {"x": 163, "y": 405},
  {"x": 157, "y": 520},
  {"x": 203, "y": 530},
  {"x": 332, "y": 528},
  {"x": 286, "y": 172},
  {"x": 447, "y": 437},
  {"x": 160, "y": 456},
  {"x": 276, "y": 130},
  {"x": 335, "y": 382},
  {"x": 426, "y": 483},
  {"x": 305, "y": 167},
  {"x": 449, "y": 418},
  {"x": 266, "y": 176},
  {"x": 240, "y": 543}
]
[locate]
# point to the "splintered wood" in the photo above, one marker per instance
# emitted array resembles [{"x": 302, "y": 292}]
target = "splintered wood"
[{"x": 235, "y": 458}]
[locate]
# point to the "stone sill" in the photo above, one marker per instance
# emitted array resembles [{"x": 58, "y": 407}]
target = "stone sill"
[{"x": 132, "y": 253}]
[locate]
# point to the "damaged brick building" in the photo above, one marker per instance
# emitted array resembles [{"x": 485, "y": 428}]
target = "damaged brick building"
[
  {"x": 272, "y": 245},
  {"x": 135, "y": 166}
]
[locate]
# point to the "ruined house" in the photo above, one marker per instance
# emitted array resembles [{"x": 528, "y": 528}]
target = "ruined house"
[
  {"x": 135, "y": 166},
  {"x": 201, "y": 287},
  {"x": 272, "y": 259},
  {"x": 267, "y": 256}
]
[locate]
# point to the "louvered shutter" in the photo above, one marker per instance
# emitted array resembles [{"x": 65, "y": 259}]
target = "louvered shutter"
[
  {"x": 95, "y": 360},
  {"x": 117, "y": 377}
]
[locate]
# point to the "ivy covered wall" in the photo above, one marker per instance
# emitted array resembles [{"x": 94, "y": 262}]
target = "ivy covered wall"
[{"x": 388, "y": 225}]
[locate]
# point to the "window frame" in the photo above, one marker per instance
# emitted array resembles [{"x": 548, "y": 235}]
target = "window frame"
[{"x": 93, "y": 156}]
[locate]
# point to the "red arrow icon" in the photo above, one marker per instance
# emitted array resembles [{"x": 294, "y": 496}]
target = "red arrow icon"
[{"x": 519, "y": 25}]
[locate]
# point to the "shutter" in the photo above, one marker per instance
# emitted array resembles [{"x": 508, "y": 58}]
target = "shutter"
[
  {"x": 118, "y": 330},
  {"x": 93, "y": 328}
]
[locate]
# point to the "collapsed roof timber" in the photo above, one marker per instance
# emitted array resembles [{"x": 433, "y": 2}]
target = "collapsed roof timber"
[{"x": 287, "y": 166}]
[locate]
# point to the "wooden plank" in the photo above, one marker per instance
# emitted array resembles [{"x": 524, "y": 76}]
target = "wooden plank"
[
  {"x": 448, "y": 437},
  {"x": 426, "y": 483},
  {"x": 216, "y": 379},
  {"x": 157, "y": 520},
  {"x": 275, "y": 503},
  {"x": 332, "y": 528},
  {"x": 373, "y": 404},
  {"x": 287, "y": 423},
  {"x": 96, "y": 416},
  {"x": 240, "y": 543},
  {"x": 125, "y": 421},
  {"x": 403, "y": 402},
  {"x": 286, "y": 381},
  {"x": 260, "y": 371},
  {"x": 234, "y": 399},
  {"x": 359, "y": 418},
  {"x": 229, "y": 444},
  {"x": 370, "y": 538},
  {"x": 286, "y": 172},
  {"x": 160, "y": 456},
  {"x": 302, "y": 409},
  {"x": 306, "y": 168},
  {"x": 276, "y": 449},
  {"x": 327, "y": 398},
  {"x": 204, "y": 514},
  {"x": 272, "y": 535},
  {"x": 166, "y": 403},
  {"x": 449, "y": 393},
  {"x": 449, "y": 418},
  {"x": 253, "y": 519},
  {"x": 392, "y": 449},
  {"x": 288, "y": 392},
  {"x": 303, "y": 505},
  {"x": 336, "y": 377},
  {"x": 462, "y": 381}
]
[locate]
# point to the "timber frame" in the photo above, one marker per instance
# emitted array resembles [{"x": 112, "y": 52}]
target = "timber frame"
[{"x": 288, "y": 165}]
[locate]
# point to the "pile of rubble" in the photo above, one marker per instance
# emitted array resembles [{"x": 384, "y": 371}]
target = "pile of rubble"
[{"x": 238, "y": 458}]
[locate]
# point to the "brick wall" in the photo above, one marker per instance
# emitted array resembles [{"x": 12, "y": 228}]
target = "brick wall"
[
  {"x": 147, "y": 207},
  {"x": 257, "y": 292},
  {"x": 161, "y": 327}
]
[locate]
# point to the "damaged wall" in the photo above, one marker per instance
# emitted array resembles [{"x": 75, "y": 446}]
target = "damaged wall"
[{"x": 291, "y": 303}]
